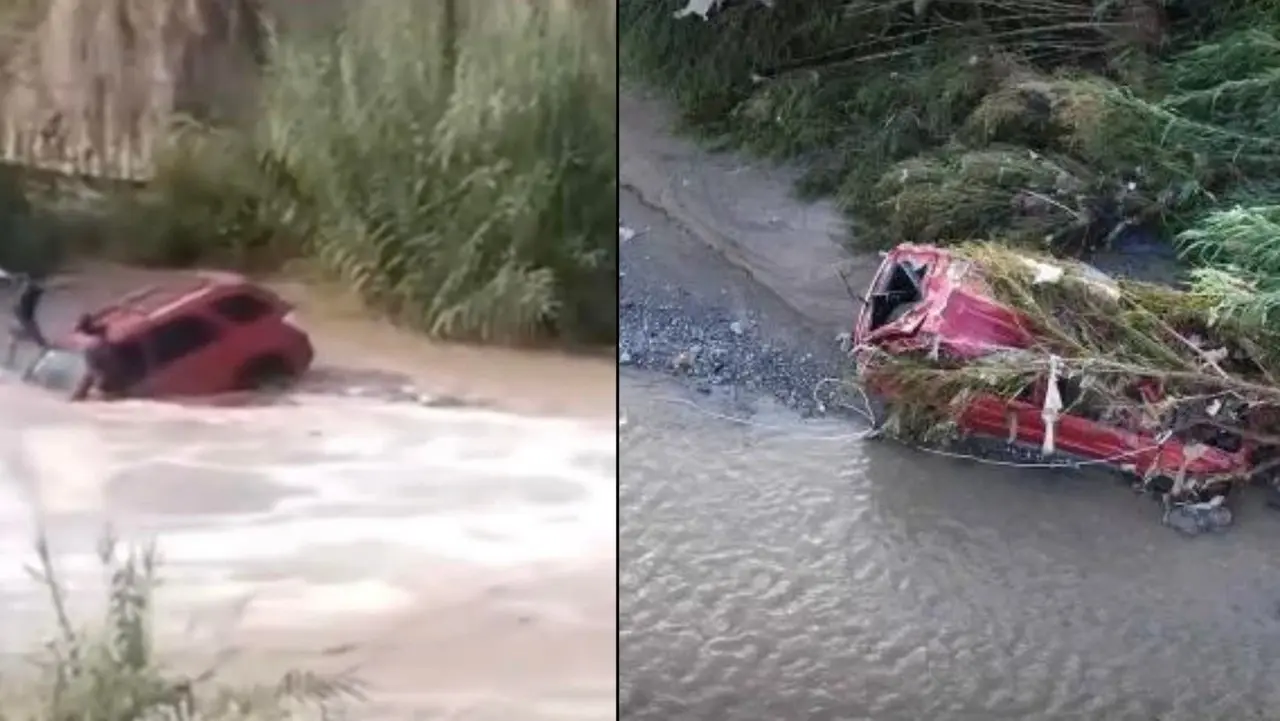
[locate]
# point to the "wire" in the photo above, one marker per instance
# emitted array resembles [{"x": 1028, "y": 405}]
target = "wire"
[
  {"x": 1032, "y": 464},
  {"x": 875, "y": 432},
  {"x": 861, "y": 435}
]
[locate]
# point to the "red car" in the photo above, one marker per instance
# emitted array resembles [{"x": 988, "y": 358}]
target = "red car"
[
  {"x": 925, "y": 300},
  {"x": 203, "y": 334}
]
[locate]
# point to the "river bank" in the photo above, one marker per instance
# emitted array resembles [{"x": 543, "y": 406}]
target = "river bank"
[
  {"x": 704, "y": 293},
  {"x": 777, "y": 566}
]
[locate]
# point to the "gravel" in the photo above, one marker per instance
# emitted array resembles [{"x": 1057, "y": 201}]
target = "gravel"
[{"x": 698, "y": 337}]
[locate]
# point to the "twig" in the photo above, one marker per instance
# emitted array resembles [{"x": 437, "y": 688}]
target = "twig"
[
  {"x": 49, "y": 578},
  {"x": 857, "y": 301}
]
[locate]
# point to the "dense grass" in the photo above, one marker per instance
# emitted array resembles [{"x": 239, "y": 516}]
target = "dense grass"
[
  {"x": 111, "y": 671},
  {"x": 33, "y": 238},
  {"x": 476, "y": 200},
  {"x": 1057, "y": 124},
  {"x": 457, "y": 168}
]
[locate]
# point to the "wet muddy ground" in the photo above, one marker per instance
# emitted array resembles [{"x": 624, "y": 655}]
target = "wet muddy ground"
[
  {"x": 776, "y": 566},
  {"x": 461, "y": 553}
]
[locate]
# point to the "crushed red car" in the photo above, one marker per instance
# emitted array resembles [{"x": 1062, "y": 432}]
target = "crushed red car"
[
  {"x": 928, "y": 302},
  {"x": 201, "y": 334}
]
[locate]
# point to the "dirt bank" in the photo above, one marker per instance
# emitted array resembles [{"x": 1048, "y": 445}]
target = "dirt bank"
[
  {"x": 767, "y": 320},
  {"x": 744, "y": 210}
]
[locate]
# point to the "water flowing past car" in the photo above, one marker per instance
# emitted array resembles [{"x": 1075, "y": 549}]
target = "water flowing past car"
[
  {"x": 201, "y": 334},
  {"x": 1052, "y": 360}
]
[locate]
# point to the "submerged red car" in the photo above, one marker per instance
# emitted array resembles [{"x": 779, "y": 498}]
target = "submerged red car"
[
  {"x": 202, "y": 334},
  {"x": 927, "y": 301}
]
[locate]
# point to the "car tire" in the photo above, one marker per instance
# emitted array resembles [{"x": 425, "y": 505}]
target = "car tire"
[{"x": 265, "y": 373}]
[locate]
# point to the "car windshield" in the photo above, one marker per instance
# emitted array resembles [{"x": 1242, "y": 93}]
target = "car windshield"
[{"x": 55, "y": 369}]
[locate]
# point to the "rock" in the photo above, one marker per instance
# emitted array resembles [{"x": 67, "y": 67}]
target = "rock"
[{"x": 736, "y": 328}]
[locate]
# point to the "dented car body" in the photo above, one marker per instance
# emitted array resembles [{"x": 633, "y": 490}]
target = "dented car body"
[{"x": 928, "y": 301}]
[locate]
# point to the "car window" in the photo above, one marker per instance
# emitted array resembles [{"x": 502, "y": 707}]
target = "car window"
[
  {"x": 60, "y": 370},
  {"x": 180, "y": 337},
  {"x": 241, "y": 308},
  {"x": 129, "y": 364}
]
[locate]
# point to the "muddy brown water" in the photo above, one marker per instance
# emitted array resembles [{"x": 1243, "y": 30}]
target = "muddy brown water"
[
  {"x": 462, "y": 558},
  {"x": 778, "y": 568}
]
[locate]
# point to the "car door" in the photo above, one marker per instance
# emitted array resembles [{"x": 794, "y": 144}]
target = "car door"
[
  {"x": 180, "y": 357},
  {"x": 129, "y": 358}
]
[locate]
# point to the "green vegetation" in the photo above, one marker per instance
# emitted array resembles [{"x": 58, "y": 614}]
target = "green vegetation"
[
  {"x": 111, "y": 672},
  {"x": 1055, "y": 125},
  {"x": 454, "y": 163}
]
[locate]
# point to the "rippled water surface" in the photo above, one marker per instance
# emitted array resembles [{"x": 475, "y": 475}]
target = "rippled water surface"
[{"x": 792, "y": 571}]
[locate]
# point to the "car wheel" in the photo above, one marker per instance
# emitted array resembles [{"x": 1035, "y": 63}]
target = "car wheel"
[{"x": 268, "y": 373}]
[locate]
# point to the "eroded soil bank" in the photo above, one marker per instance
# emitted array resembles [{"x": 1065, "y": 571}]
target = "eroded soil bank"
[{"x": 727, "y": 281}]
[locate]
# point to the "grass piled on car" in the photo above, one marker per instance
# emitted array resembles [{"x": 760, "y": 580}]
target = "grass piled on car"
[{"x": 1105, "y": 336}]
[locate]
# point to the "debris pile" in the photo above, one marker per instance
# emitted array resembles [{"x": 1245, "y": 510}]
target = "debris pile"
[{"x": 1127, "y": 354}]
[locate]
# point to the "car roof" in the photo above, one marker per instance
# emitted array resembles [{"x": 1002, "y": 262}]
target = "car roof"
[{"x": 141, "y": 305}]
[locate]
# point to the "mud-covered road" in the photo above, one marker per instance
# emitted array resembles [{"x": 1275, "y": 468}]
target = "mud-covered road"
[{"x": 775, "y": 566}]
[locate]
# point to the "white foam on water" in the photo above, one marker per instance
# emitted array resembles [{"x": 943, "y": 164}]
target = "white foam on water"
[
  {"x": 490, "y": 539},
  {"x": 299, "y": 605},
  {"x": 70, "y": 463},
  {"x": 351, "y": 459}
]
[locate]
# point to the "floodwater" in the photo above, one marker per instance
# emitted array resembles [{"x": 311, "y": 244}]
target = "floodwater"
[
  {"x": 462, "y": 558},
  {"x": 778, "y": 568}
]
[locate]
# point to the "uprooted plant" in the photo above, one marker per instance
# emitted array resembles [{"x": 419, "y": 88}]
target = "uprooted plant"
[{"x": 112, "y": 672}]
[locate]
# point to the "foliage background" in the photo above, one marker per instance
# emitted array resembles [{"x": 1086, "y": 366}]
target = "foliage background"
[
  {"x": 454, "y": 163},
  {"x": 1060, "y": 125}
]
